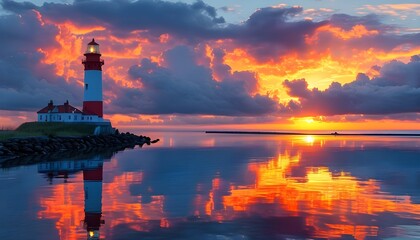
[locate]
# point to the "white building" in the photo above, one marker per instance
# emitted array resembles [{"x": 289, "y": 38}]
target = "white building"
[{"x": 65, "y": 113}]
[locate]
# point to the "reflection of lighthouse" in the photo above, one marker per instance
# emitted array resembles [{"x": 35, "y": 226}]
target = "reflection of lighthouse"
[{"x": 92, "y": 180}]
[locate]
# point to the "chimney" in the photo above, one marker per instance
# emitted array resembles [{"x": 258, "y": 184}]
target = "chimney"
[
  {"x": 50, "y": 105},
  {"x": 66, "y": 106}
]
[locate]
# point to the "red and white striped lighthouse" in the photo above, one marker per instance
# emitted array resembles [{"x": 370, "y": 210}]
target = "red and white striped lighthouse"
[
  {"x": 92, "y": 181},
  {"x": 92, "y": 99}
]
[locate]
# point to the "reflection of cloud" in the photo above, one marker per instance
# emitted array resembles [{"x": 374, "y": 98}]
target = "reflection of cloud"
[
  {"x": 65, "y": 206},
  {"x": 329, "y": 199},
  {"x": 242, "y": 191},
  {"x": 123, "y": 209}
]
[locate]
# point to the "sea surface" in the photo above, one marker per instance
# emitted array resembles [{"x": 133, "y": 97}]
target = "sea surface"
[{"x": 193, "y": 185}]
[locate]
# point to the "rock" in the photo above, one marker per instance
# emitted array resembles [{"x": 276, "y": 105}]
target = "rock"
[
  {"x": 27, "y": 150},
  {"x": 13, "y": 147},
  {"x": 38, "y": 148},
  {"x": 50, "y": 145}
]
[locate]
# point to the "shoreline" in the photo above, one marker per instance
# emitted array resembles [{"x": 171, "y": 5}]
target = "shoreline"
[
  {"x": 316, "y": 134},
  {"x": 15, "y": 148}
]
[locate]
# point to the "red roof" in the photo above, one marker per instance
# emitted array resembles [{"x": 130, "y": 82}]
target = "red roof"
[
  {"x": 65, "y": 108},
  {"x": 46, "y": 109}
]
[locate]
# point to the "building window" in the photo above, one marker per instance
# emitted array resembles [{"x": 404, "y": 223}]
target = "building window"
[
  {"x": 86, "y": 86},
  {"x": 75, "y": 117},
  {"x": 83, "y": 118},
  {"x": 69, "y": 117},
  {"x": 59, "y": 117},
  {"x": 40, "y": 117}
]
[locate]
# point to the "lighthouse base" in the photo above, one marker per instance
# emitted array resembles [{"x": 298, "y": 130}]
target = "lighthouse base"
[{"x": 93, "y": 107}]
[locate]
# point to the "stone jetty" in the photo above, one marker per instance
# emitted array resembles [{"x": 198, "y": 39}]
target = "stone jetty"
[{"x": 41, "y": 146}]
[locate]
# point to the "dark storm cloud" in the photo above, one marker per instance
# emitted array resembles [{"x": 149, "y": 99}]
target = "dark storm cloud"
[
  {"x": 396, "y": 90},
  {"x": 371, "y": 22},
  {"x": 26, "y": 83},
  {"x": 187, "y": 88},
  {"x": 17, "y": 7},
  {"x": 190, "y": 21},
  {"x": 268, "y": 34}
]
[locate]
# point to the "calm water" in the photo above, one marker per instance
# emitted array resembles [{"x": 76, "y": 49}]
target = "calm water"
[{"x": 211, "y": 186}]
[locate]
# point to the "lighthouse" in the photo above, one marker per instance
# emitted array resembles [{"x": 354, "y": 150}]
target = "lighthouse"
[
  {"x": 92, "y": 112},
  {"x": 92, "y": 98}
]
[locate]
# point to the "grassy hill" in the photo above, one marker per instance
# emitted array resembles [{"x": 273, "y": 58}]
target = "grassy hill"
[{"x": 32, "y": 129}]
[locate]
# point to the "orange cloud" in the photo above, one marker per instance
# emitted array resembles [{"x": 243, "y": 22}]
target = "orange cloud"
[
  {"x": 318, "y": 67},
  {"x": 357, "y": 31}
]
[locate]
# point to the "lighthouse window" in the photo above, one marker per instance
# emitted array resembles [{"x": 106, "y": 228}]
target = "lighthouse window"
[{"x": 86, "y": 86}]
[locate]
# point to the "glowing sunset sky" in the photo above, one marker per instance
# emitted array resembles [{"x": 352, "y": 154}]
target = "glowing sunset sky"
[{"x": 327, "y": 64}]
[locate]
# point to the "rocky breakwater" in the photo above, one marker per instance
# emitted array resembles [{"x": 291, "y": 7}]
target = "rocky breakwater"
[{"x": 39, "y": 146}]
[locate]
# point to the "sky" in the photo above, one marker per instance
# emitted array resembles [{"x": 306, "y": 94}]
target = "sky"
[{"x": 259, "y": 65}]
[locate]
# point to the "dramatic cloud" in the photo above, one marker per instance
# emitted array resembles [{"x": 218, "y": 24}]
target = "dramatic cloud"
[
  {"x": 184, "y": 87},
  {"x": 190, "y": 21},
  {"x": 224, "y": 70},
  {"x": 25, "y": 82},
  {"x": 395, "y": 90},
  {"x": 268, "y": 34}
]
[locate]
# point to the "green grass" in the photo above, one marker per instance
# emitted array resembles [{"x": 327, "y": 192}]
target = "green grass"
[{"x": 34, "y": 129}]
